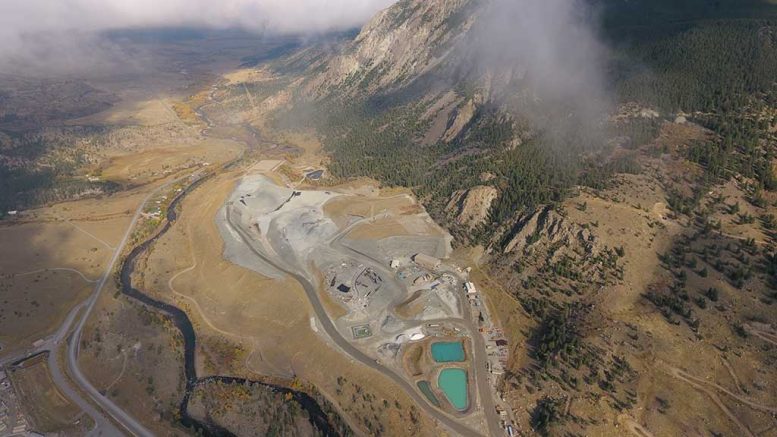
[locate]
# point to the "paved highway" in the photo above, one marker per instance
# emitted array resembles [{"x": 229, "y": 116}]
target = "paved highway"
[
  {"x": 345, "y": 345},
  {"x": 74, "y": 345},
  {"x": 104, "y": 425}
]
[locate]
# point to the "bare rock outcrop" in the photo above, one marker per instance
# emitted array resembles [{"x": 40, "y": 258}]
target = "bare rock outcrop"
[
  {"x": 398, "y": 45},
  {"x": 471, "y": 206},
  {"x": 550, "y": 227},
  {"x": 461, "y": 120},
  {"x": 632, "y": 110}
]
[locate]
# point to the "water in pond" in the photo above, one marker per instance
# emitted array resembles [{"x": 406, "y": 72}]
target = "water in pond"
[
  {"x": 448, "y": 352},
  {"x": 453, "y": 382},
  {"x": 426, "y": 389}
]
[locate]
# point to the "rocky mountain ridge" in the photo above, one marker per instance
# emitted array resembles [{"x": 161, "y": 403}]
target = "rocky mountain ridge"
[{"x": 399, "y": 45}]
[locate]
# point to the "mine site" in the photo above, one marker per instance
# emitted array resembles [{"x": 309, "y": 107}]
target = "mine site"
[
  {"x": 375, "y": 268},
  {"x": 351, "y": 218}
]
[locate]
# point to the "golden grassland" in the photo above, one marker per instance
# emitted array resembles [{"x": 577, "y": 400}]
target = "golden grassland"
[
  {"x": 49, "y": 409},
  {"x": 688, "y": 383},
  {"x": 51, "y": 258},
  {"x": 268, "y": 319},
  {"x": 135, "y": 357}
]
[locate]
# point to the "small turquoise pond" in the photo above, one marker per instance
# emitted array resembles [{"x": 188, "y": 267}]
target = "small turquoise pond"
[
  {"x": 448, "y": 352},
  {"x": 453, "y": 382}
]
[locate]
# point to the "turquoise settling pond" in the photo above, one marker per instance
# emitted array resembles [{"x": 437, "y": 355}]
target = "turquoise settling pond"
[
  {"x": 448, "y": 352},
  {"x": 453, "y": 382}
]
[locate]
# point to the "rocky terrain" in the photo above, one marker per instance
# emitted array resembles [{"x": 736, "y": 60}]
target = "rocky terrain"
[
  {"x": 397, "y": 47},
  {"x": 470, "y": 207},
  {"x": 628, "y": 248},
  {"x": 603, "y": 255}
]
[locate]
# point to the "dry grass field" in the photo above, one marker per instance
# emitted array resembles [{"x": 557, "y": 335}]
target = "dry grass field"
[
  {"x": 707, "y": 373},
  {"x": 149, "y": 165},
  {"x": 266, "y": 321},
  {"x": 135, "y": 357},
  {"x": 49, "y": 409},
  {"x": 158, "y": 143},
  {"x": 50, "y": 260},
  {"x": 53, "y": 254}
]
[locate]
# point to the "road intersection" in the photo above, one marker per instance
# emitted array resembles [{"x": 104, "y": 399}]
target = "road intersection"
[{"x": 109, "y": 419}]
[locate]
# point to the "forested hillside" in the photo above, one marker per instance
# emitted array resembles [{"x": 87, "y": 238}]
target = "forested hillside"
[
  {"x": 715, "y": 62},
  {"x": 624, "y": 242}
]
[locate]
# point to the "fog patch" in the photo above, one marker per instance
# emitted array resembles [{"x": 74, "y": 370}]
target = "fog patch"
[
  {"x": 544, "y": 58},
  {"x": 65, "y": 35}
]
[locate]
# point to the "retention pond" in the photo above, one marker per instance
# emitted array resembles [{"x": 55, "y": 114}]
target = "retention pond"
[
  {"x": 448, "y": 352},
  {"x": 453, "y": 382}
]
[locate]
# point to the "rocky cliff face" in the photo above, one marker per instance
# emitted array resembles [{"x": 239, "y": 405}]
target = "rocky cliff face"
[
  {"x": 399, "y": 45},
  {"x": 463, "y": 117},
  {"x": 550, "y": 227},
  {"x": 471, "y": 206}
]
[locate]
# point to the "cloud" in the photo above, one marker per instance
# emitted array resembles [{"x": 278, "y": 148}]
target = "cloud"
[
  {"x": 545, "y": 57},
  {"x": 60, "y": 27}
]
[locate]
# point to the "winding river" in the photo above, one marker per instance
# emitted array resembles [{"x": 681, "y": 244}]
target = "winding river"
[{"x": 317, "y": 417}]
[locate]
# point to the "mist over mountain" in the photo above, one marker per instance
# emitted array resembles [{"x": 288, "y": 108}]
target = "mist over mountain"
[
  {"x": 577, "y": 197},
  {"x": 540, "y": 58}
]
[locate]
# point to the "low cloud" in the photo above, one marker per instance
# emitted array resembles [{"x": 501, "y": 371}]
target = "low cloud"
[
  {"x": 546, "y": 58},
  {"x": 62, "y": 32}
]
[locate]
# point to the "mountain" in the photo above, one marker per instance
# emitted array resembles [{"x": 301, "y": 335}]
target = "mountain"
[
  {"x": 607, "y": 169},
  {"x": 613, "y": 162},
  {"x": 398, "y": 46}
]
